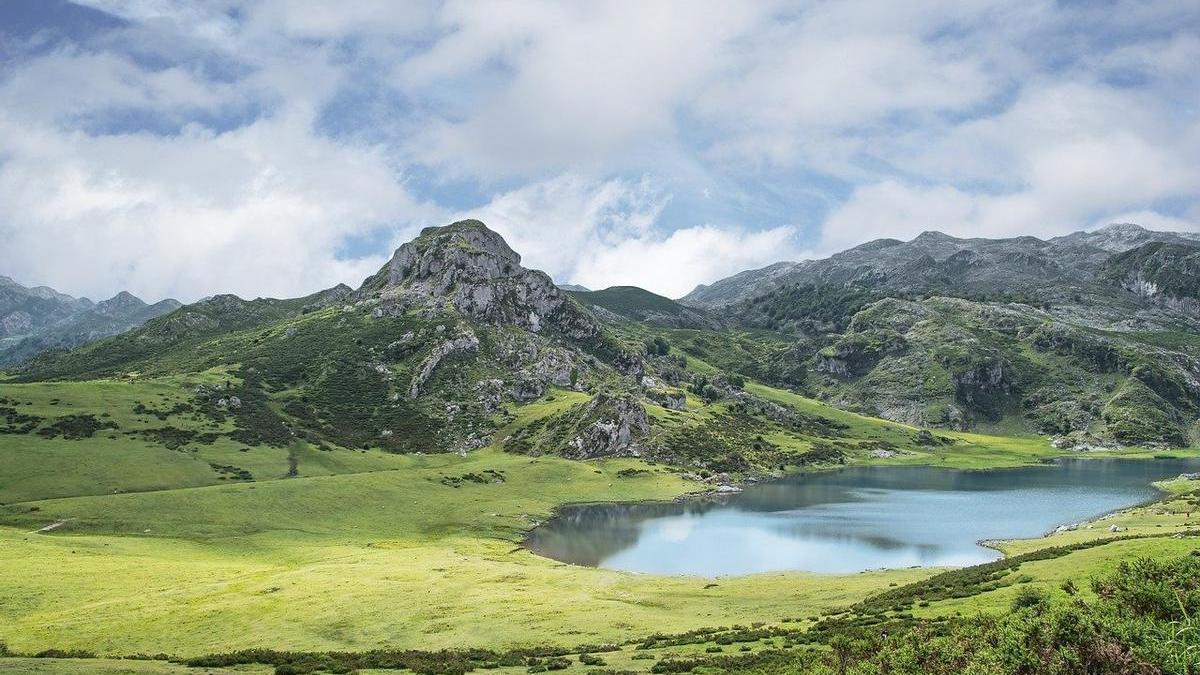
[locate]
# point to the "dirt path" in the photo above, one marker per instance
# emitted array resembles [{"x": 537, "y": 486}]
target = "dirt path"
[{"x": 52, "y": 526}]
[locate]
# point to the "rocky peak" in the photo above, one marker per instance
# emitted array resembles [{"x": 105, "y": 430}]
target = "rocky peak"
[
  {"x": 476, "y": 271},
  {"x": 465, "y": 250},
  {"x": 1118, "y": 237},
  {"x": 933, "y": 237},
  {"x": 121, "y": 302}
]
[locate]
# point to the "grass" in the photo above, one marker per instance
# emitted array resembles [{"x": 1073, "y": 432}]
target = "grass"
[
  {"x": 155, "y": 552},
  {"x": 132, "y": 457},
  {"x": 114, "y": 667},
  {"x": 358, "y": 561}
]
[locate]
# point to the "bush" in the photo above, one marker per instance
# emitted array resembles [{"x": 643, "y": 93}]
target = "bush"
[
  {"x": 657, "y": 346},
  {"x": 1028, "y": 598},
  {"x": 591, "y": 660}
]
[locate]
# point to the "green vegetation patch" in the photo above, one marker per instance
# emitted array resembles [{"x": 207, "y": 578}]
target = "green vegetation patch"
[{"x": 75, "y": 427}]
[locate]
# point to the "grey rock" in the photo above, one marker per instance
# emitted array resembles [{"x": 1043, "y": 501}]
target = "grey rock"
[
  {"x": 466, "y": 342},
  {"x": 527, "y": 389},
  {"x": 473, "y": 268},
  {"x": 490, "y": 394},
  {"x": 616, "y": 424}
]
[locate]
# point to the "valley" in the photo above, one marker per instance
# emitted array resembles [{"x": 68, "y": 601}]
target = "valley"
[{"x": 357, "y": 471}]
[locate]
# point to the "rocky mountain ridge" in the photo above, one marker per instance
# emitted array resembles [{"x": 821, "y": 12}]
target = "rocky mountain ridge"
[
  {"x": 454, "y": 345},
  {"x": 35, "y": 319},
  {"x": 1066, "y": 273},
  {"x": 421, "y": 356},
  {"x": 1088, "y": 337}
]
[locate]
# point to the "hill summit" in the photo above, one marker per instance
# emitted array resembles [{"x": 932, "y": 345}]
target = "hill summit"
[{"x": 474, "y": 269}]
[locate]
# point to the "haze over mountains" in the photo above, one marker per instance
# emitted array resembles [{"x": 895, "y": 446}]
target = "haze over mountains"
[{"x": 35, "y": 319}]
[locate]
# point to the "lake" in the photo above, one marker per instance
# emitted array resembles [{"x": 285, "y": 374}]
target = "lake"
[{"x": 850, "y": 520}]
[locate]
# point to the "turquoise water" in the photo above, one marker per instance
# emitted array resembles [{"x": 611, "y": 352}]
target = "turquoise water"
[{"x": 850, "y": 520}]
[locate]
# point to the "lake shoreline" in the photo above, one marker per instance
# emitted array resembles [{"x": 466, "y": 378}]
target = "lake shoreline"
[{"x": 718, "y": 500}]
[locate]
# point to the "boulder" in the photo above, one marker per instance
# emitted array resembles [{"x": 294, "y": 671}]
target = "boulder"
[{"x": 612, "y": 426}]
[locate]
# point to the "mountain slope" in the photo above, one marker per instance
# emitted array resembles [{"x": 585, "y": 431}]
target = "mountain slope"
[
  {"x": 453, "y": 345},
  {"x": 1065, "y": 273},
  {"x": 1089, "y": 336},
  {"x": 33, "y": 320},
  {"x": 956, "y": 363},
  {"x": 636, "y": 304},
  {"x": 1166, "y": 274}
]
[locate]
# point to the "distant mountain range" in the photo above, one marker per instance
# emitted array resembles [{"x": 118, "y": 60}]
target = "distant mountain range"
[
  {"x": 33, "y": 320},
  {"x": 1080, "y": 276}
]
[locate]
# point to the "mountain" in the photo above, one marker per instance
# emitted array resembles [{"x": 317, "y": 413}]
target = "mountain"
[
  {"x": 454, "y": 345},
  {"x": 636, "y": 304},
  {"x": 447, "y": 344},
  {"x": 1066, "y": 273},
  {"x": 36, "y": 319},
  {"x": 1090, "y": 337},
  {"x": 419, "y": 357},
  {"x": 739, "y": 287},
  {"x": 1164, "y": 273}
]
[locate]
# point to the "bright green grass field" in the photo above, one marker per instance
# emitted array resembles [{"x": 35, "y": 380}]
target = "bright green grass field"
[
  {"x": 154, "y": 552},
  {"x": 357, "y": 561},
  {"x": 114, "y": 667},
  {"x": 119, "y": 460}
]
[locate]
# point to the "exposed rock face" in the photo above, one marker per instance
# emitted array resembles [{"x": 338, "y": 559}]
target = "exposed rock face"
[
  {"x": 490, "y": 394},
  {"x": 467, "y": 342},
  {"x": 613, "y": 426},
  {"x": 473, "y": 269},
  {"x": 668, "y": 398},
  {"x": 527, "y": 389},
  {"x": 984, "y": 380},
  {"x": 833, "y": 365},
  {"x": 1165, "y": 274}
]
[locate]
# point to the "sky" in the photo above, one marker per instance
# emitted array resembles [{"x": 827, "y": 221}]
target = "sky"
[{"x": 278, "y": 147}]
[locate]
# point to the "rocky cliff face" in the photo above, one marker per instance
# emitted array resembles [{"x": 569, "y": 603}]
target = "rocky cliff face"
[
  {"x": 1165, "y": 274},
  {"x": 611, "y": 427},
  {"x": 473, "y": 269}
]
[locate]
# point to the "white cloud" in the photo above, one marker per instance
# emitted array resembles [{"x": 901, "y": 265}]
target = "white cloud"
[
  {"x": 1065, "y": 155},
  {"x": 69, "y": 84},
  {"x": 602, "y": 233},
  {"x": 675, "y": 264},
  {"x": 567, "y": 85},
  {"x": 324, "y": 20},
  {"x": 553, "y": 223},
  {"x": 811, "y": 89},
  {"x": 978, "y": 117},
  {"x": 257, "y": 210}
]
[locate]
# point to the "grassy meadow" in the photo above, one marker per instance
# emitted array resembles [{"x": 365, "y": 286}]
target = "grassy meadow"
[{"x": 126, "y": 542}]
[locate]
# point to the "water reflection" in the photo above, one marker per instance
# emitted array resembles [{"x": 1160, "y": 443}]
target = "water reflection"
[{"x": 850, "y": 520}]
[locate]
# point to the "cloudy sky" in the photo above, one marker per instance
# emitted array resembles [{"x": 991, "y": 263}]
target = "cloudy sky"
[{"x": 278, "y": 147}]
